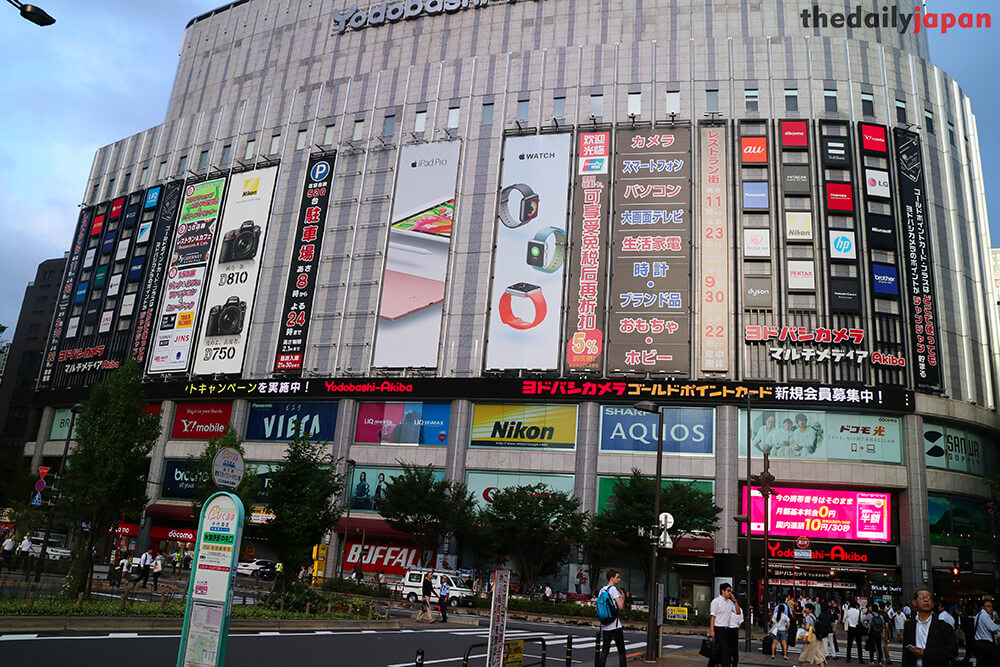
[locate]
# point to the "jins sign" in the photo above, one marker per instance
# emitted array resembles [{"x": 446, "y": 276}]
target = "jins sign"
[{"x": 201, "y": 421}]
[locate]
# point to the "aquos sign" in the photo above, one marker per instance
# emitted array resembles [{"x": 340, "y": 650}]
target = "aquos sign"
[
  {"x": 391, "y": 12},
  {"x": 685, "y": 430}
]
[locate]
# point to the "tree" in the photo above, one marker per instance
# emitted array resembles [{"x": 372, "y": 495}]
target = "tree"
[
  {"x": 104, "y": 476},
  {"x": 201, "y": 470},
  {"x": 303, "y": 488},
  {"x": 431, "y": 511},
  {"x": 537, "y": 525},
  {"x": 694, "y": 512}
]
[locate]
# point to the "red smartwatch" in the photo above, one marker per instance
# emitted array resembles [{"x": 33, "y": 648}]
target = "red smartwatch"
[{"x": 523, "y": 291}]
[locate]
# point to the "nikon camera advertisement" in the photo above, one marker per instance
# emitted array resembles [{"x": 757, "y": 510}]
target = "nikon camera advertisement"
[{"x": 232, "y": 281}]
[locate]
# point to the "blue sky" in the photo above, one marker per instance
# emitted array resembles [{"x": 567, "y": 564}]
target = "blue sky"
[{"x": 105, "y": 70}]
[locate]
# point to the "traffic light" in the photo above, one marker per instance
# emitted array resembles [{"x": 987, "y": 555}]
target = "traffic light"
[{"x": 954, "y": 571}]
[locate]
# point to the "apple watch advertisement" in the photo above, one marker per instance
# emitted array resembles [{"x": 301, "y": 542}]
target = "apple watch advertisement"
[
  {"x": 530, "y": 253},
  {"x": 408, "y": 331},
  {"x": 232, "y": 282}
]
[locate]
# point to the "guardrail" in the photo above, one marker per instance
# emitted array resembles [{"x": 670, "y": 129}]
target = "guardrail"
[{"x": 540, "y": 640}]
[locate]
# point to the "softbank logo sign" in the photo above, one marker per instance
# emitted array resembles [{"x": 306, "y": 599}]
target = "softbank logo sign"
[{"x": 890, "y": 17}]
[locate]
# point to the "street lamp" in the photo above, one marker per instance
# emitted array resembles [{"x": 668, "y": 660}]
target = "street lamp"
[
  {"x": 652, "y": 636},
  {"x": 32, "y": 13},
  {"x": 764, "y": 481},
  {"x": 74, "y": 411},
  {"x": 347, "y": 519}
]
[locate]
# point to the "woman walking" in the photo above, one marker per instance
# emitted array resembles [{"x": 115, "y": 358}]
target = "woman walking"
[{"x": 812, "y": 646}]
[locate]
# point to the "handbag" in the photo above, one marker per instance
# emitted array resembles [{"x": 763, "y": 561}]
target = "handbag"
[
  {"x": 774, "y": 630},
  {"x": 709, "y": 649},
  {"x": 803, "y": 635}
]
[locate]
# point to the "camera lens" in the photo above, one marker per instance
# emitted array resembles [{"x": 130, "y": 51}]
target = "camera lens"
[{"x": 231, "y": 319}]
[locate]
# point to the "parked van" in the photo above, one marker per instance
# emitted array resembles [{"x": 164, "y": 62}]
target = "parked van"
[{"x": 461, "y": 588}]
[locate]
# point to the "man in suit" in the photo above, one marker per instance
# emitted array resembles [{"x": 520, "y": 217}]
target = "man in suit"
[{"x": 927, "y": 640}]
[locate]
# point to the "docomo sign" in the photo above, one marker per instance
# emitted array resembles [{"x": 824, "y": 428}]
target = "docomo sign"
[
  {"x": 390, "y": 559},
  {"x": 794, "y": 134},
  {"x": 179, "y": 534},
  {"x": 822, "y": 514}
]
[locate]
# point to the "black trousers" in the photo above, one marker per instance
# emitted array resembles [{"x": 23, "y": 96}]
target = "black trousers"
[
  {"x": 618, "y": 636},
  {"x": 854, "y": 637},
  {"x": 986, "y": 653},
  {"x": 875, "y": 648},
  {"x": 728, "y": 642},
  {"x": 443, "y": 609}
]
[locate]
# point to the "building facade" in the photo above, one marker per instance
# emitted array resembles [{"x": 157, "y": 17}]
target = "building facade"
[{"x": 471, "y": 234}]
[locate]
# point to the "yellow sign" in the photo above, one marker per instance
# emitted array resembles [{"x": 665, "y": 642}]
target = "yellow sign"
[
  {"x": 513, "y": 653},
  {"x": 677, "y": 613},
  {"x": 515, "y": 425},
  {"x": 319, "y": 551},
  {"x": 251, "y": 186},
  {"x": 185, "y": 320}
]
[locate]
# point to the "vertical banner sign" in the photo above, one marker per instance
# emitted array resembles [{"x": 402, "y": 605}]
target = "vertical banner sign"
[
  {"x": 65, "y": 296},
  {"x": 498, "y": 618},
  {"x": 232, "y": 282},
  {"x": 713, "y": 283},
  {"x": 530, "y": 251},
  {"x": 213, "y": 577},
  {"x": 304, "y": 265},
  {"x": 192, "y": 249},
  {"x": 923, "y": 324},
  {"x": 416, "y": 261},
  {"x": 168, "y": 197},
  {"x": 649, "y": 330},
  {"x": 588, "y": 262}
]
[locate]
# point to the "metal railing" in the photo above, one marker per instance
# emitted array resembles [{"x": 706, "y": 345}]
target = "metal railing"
[{"x": 540, "y": 640}]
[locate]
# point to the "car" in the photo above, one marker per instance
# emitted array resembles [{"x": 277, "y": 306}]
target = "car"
[
  {"x": 461, "y": 588},
  {"x": 52, "y": 551},
  {"x": 257, "y": 566}
]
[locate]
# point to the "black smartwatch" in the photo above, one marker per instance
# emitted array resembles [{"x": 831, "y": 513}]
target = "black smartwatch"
[{"x": 527, "y": 211}]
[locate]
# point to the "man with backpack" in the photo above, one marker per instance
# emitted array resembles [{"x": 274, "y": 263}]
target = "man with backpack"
[
  {"x": 609, "y": 603},
  {"x": 724, "y": 626},
  {"x": 824, "y": 630}
]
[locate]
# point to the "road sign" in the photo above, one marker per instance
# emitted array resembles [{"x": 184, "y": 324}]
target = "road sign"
[
  {"x": 37, "y": 500},
  {"x": 40, "y": 485},
  {"x": 667, "y": 520},
  {"x": 227, "y": 468},
  {"x": 802, "y": 542},
  {"x": 42, "y": 471}
]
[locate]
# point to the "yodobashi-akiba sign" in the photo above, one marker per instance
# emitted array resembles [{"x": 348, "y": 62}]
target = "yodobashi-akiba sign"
[
  {"x": 918, "y": 258},
  {"x": 392, "y": 12},
  {"x": 822, "y": 514},
  {"x": 201, "y": 421}
]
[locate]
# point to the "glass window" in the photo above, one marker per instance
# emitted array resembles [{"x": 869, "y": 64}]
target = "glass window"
[
  {"x": 830, "y": 100},
  {"x": 144, "y": 174},
  {"x": 929, "y": 121},
  {"x": 275, "y": 143},
  {"x": 300, "y": 139},
  {"x": 202, "y": 160},
  {"x": 328, "y": 134},
  {"x": 901, "y": 112},
  {"x": 389, "y": 126},
  {"x": 359, "y": 130},
  {"x": 126, "y": 181},
  {"x": 635, "y": 104},
  {"x": 558, "y": 107},
  {"x": 752, "y": 97},
  {"x": 523, "y": 108},
  {"x": 711, "y": 101},
  {"x": 597, "y": 105},
  {"x": 95, "y": 192},
  {"x": 182, "y": 164},
  {"x": 163, "y": 171},
  {"x": 251, "y": 148},
  {"x": 673, "y": 102},
  {"x": 227, "y": 154},
  {"x": 867, "y": 104},
  {"x": 487, "y": 113},
  {"x": 111, "y": 188},
  {"x": 951, "y": 134},
  {"x": 453, "y": 113},
  {"x": 791, "y": 99},
  {"x": 420, "y": 121}
]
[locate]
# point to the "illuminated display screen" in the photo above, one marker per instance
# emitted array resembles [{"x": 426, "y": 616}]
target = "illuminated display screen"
[{"x": 822, "y": 514}]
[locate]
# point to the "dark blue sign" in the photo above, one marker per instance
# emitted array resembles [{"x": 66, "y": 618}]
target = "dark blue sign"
[
  {"x": 153, "y": 196},
  {"x": 755, "y": 195},
  {"x": 283, "y": 422},
  {"x": 685, "y": 430},
  {"x": 178, "y": 481},
  {"x": 109, "y": 243},
  {"x": 135, "y": 269},
  {"x": 885, "y": 280},
  {"x": 131, "y": 215},
  {"x": 81, "y": 292}
]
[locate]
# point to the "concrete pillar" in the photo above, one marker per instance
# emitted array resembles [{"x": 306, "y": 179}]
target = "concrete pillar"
[
  {"x": 347, "y": 410},
  {"x": 168, "y": 409},
  {"x": 914, "y": 519},
  {"x": 727, "y": 478},
  {"x": 44, "y": 428},
  {"x": 588, "y": 440},
  {"x": 460, "y": 419}
]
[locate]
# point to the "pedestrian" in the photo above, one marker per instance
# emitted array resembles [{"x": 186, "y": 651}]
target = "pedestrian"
[
  {"x": 25, "y": 552},
  {"x": 984, "y": 645},
  {"x": 145, "y": 565},
  {"x": 613, "y": 629},
  {"x": 871, "y": 619},
  {"x": 444, "y": 595},
  {"x": 187, "y": 559},
  {"x": 304, "y": 575},
  {"x": 837, "y": 615},
  {"x": 547, "y": 593},
  {"x": 880, "y": 629},
  {"x": 852, "y": 619},
  {"x": 927, "y": 641},
  {"x": 157, "y": 570},
  {"x": 358, "y": 574},
  {"x": 723, "y": 625},
  {"x": 125, "y": 566},
  {"x": 8, "y": 550},
  {"x": 824, "y": 628},
  {"x": 812, "y": 647},
  {"x": 427, "y": 591},
  {"x": 899, "y": 621},
  {"x": 780, "y": 621},
  {"x": 176, "y": 560}
]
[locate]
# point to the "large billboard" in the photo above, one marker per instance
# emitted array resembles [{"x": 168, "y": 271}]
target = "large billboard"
[
  {"x": 192, "y": 248},
  {"x": 296, "y": 315},
  {"x": 606, "y": 498},
  {"x": 649, "y": 323},
  {"x": 368, "y": 485},
  {"x": 822, "y": 436},
  {"x": 685, "y": 430},
  {"x": 485, "y": 484},
  {"x": 822, "y": 514},
  {"x": 413, "y": 423},
  {"x": 236, "y": 264},
  {"x": 287, "y": 420},
  {"x": 588, "y": 263},
  {"x": 526, "y": 296},
  {"x": 714, "y": 286},
  {"x": 918, "y": 258},
  {"x": 201, "y": 421},
  {"x": 416, "y": 261},
  {"x": 954, "y": 448},
  {"x": 508, "y": 425}
]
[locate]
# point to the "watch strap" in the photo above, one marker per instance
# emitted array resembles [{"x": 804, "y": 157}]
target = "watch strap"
[{"x": 558, "y": 251}]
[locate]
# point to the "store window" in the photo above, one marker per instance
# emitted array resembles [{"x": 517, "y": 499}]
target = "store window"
[
  {"x": 791, "y": 99},
  {"x": 867, "y": 105}
]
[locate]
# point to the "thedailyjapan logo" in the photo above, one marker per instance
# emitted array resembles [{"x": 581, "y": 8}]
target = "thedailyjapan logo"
[{"x": 891, "y": 18}]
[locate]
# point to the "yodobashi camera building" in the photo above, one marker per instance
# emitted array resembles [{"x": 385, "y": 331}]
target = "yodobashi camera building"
[{"x": 413, "y": 221}]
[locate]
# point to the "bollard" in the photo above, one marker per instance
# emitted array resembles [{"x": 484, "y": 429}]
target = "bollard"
[
  {"x": 569, "y": 650},
  {"x": 308, "y": 608},
  {"x": 597, "y": 648},
  {"x": 388, "y": 609},
  {"x": 418, "y": 661},
  {"x": 281, "y": 607}
]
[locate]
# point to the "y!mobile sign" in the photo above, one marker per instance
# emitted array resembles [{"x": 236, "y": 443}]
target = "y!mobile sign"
[
  {"x": 302, "y": 279},
  {"x": 822, "y": 514},
  {"x": 192, "y": 247},
  {"x": 589, "y": 261},
  {"x": 527, "y": 291},
  {"x": 201, "y": 421},
  {"x": 233, "y": 284},
  {"x": 416, "y": 261}
]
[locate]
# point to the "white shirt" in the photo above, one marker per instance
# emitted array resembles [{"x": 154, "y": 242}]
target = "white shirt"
[
  {"x": 615, "y": 595},
  {"x": 900, "y": 619},
  {"x": 923, "y": 627},
  {"x": 984, "y": 626},
  {"x": 947, "y": 618},
  {"x": 25, "y": 545},
  {"x": 145, "y": 560},
  {"x": 8, "y": 544},
  {"x": 725, "y": 613},
  {"x": 851, "y": 617}
]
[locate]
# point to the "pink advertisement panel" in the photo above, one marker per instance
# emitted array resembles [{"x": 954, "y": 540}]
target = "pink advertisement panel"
[{"x": 822, "y": 514}]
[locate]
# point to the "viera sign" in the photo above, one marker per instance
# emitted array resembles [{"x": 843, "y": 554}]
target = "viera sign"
[{"x": 392, "y": 12}]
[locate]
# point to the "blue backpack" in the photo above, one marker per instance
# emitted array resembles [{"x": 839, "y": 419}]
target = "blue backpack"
[{"x": 607, "y": 610}]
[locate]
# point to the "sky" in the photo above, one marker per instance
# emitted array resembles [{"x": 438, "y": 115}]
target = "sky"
[{"x": 105, "y": 69}]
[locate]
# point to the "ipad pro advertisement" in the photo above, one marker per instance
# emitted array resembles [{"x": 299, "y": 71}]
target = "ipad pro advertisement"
[
  {"x": 416, "y": 262},
  {"x": 526, "y": 295}
]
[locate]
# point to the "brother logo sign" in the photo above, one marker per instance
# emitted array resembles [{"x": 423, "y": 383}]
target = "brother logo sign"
[{"x": 391, "y": 12}]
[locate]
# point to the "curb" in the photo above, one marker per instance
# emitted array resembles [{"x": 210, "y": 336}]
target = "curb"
[{"x": 20, "y": 624}]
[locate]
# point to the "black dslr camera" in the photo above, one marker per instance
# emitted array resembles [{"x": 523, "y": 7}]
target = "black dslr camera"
[
  {"x": 240, "y": 244},
  {"x": 227, "y": 319}
]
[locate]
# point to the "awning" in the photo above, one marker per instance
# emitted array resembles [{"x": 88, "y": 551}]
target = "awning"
[
  {"x": 700, "y": 547},
  {"x": 171, "y": 512},
  {"x": 370, "y": 526}
]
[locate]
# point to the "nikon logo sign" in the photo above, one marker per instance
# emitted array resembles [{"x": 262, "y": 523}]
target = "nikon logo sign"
[{"x": 391, "y": 12}]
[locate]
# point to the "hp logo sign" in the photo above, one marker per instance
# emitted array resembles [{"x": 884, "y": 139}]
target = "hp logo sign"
[{"x": 842, "y": 244}]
